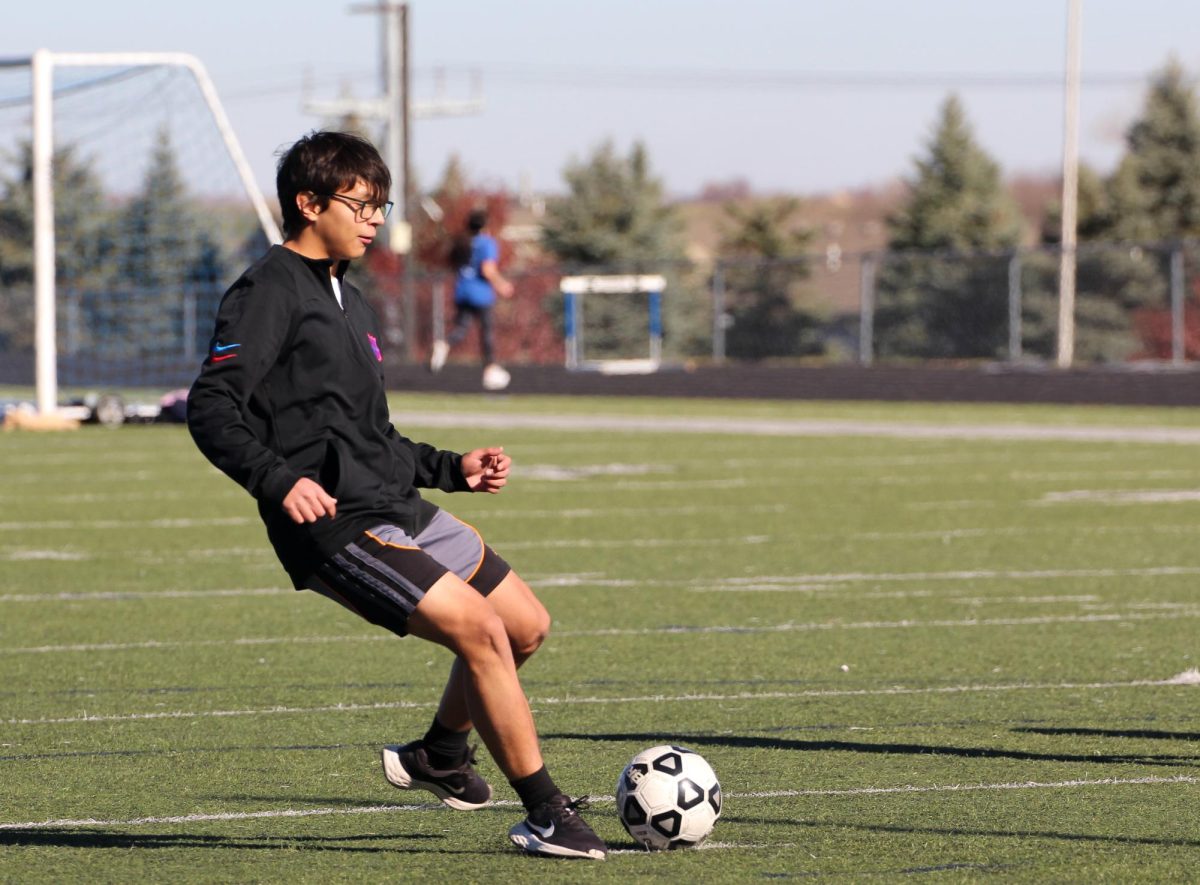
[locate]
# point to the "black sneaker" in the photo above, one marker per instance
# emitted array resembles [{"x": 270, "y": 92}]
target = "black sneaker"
[
  {"x": 555, "y": 829},
  {"x": 462, "y": 788}
]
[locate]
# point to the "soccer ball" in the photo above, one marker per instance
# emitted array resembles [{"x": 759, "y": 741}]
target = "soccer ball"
[{"x": 668, "y": 797}]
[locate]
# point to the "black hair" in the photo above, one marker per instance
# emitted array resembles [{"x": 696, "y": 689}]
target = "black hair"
[
  {"x": 460, "y": 248},
  {"x": 323, "y": 163}
]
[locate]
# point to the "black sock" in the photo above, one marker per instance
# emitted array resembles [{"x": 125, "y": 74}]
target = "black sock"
[
  {"x": 535, "y": 788},
  {"x": 445, "y": 748}
]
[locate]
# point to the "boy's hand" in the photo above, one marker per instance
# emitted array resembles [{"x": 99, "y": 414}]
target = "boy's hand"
[
  {"x": 486, "y": 470},
  {"x": 308, "y": 502}
]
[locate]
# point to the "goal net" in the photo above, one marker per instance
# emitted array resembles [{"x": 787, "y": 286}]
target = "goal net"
[{"x": 126, "y": 208}]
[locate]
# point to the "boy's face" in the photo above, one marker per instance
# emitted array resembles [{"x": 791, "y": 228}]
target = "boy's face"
[{"x": 345, "y": 227}]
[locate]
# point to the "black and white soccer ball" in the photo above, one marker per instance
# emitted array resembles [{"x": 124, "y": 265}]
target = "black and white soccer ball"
[{"x": 668, "y": 797}]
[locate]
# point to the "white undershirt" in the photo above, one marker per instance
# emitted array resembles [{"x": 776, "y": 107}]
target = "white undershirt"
[{"x": 337, "y": 291}]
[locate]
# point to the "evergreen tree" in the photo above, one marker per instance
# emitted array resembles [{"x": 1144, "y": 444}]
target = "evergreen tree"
[
  {"x": 764, "y": 266},
  {"x": 1125, "y": 226},
  {"x": 615, "y": 219},
  {"x": 159, "y": 249},
  {"x": 80, "y": 220},
  {"x": 948, "y": 305},
  {"x": 1156, "y": 189},
  {"x": 613, "y": 215}
]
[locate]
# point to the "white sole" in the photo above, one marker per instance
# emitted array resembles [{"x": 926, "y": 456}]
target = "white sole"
[
  {"x": 397, "y": 775},
  {"x": 526, "y": 839}
]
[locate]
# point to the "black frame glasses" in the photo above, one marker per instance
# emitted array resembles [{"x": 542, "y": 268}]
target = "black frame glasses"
[{"x": 360, "y": 206}]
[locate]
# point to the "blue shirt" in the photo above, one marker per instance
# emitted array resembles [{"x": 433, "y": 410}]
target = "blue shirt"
[{"x": 471, "y": 287}]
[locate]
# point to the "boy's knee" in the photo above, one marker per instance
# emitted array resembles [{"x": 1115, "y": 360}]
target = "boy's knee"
[
  {"x": 532, "y": 635},
  {"x": 483, "y": 637}
]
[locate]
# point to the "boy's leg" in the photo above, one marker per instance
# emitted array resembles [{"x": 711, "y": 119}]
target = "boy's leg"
[
  {"x": 487, "y": 337},
  {"x": 462, "y": 323},
  {"x": 453, "y": 614},
  {"x": 526, "y": 622}
]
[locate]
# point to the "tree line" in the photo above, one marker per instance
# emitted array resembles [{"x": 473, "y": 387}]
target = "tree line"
[
  {"x": 942, "y": 284},
  {"x": 135, "y": 273},
  {"x": 130, "y": 270}
]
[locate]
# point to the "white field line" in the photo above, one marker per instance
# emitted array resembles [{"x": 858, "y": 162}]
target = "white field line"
[
  {"x": 188, "y": 523},
  {"x": 151, "y": 494},
  {"x": 70, "y": 459},
  {"x": 966, "y": 575},
  {"x": 76, "y": 524},
  {"x": 626, "y": 543},
  {"x": 1119, "y": 496},
  {"x": 589, "y": 512},
  {"x": 64, "y": 823},
  {"x": 43, "y": 556},
  {"x": 264, "y": 551},
  {"x": 94, "y": 479},
  {"x": 121, "y": 595},
  {"x": 1184, "y": 611},
  {"x": 1182, "y": 679},
  {"x": 905, "y": 624},
  {"x": 800, "y": 427},
  {"x": 759, "y": 583}
]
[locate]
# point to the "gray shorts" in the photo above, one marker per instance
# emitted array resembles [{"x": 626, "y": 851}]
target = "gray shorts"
[{"x": 384, "y": 574}]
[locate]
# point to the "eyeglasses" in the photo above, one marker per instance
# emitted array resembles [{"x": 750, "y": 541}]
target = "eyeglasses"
[{"x": 364, "y": 210}]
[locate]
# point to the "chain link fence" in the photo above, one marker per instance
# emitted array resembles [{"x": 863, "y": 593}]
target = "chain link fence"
[{"x": 1132, "y": 303}]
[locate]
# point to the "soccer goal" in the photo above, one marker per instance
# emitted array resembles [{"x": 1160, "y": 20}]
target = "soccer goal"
[
  {"x": 128, "y": 206},
  {"x": 612, "y": 322}
]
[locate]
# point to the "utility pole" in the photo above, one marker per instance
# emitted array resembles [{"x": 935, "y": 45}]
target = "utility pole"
[
  {"x": 1070, "y": 188},
  {"x": 396, "y": 110}
]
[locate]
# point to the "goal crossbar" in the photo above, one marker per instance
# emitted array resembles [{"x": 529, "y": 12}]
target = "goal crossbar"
[{"x": 42, "y": 64}]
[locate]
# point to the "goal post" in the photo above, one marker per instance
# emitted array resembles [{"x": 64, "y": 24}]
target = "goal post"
[
  {"x": 575, "y": 290},
  {"x": 43, "y": 65}
]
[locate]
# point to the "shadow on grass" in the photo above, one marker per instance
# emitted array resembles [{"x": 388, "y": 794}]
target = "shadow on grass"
[
  {"x": 763, "y": 743},
  {"x": 58, "y": 838},
  {"x": 958, "y": 832},
  {"x": 1115, "y": 732},
  {"x": 250, "y": 748}
]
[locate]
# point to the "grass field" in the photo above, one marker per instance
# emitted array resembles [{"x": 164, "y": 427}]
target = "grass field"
[{"x": 915, "y": 656}]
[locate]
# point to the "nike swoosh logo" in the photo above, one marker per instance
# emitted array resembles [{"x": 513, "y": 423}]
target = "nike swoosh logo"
[
  {"x": 457, "y": 791},
  {"x": 221, "y": 348},
  {"x": 228, "y": 356},
  {"x": 544, "y": 832}
]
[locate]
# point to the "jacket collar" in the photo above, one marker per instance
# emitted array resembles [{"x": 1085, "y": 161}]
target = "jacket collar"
[{"x": 319, "y": 266}]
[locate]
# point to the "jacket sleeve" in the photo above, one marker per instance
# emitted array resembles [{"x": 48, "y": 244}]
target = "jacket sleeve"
[
  {"x": 251, "y": 330},
  {"x": 435, "y": 468}
]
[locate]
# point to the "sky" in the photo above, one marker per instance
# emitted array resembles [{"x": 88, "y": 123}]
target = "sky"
[{"x": 791, "y": 96}]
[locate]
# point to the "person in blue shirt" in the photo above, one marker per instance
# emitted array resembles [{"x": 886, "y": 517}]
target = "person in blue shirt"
[{"x": 476, "y": 256}]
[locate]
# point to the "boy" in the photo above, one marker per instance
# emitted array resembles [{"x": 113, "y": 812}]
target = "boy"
[
  {"x": 475, "y": 256},
  {"x": 290, "y": 404}
]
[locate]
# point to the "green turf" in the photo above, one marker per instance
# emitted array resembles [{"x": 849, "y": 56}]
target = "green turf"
[{"x": 921, "y": 657}]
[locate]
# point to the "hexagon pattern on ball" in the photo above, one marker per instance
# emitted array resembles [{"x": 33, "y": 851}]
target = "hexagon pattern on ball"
[{"x": 668, "y": 797}]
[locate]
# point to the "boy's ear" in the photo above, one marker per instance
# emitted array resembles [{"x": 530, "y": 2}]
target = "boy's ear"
[{"x": 306, "y": 202}]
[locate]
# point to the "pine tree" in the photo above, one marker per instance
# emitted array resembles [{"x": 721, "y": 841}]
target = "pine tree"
[
  {"x": 614, "y": 214},
  {"x": 760, "y": 282},
  {"x": 948, "y": 305},
  {"x": 159, "y": 248},
  {"x": 1156, "y": 189},
  {"x": 1126, "y": 225},
  {"x": 615, "y": 219},
  {"x": 80, "y": 221}
]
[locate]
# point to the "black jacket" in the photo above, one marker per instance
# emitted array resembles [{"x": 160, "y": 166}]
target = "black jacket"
[{"x": 292, "y": 387}]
